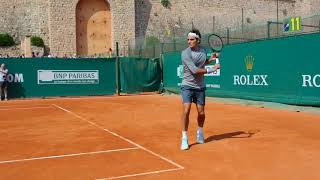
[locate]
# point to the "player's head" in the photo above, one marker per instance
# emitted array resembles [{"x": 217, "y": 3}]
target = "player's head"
[
  {"x": 194, "y": 38},
  {"x": 3, "y": 66}
]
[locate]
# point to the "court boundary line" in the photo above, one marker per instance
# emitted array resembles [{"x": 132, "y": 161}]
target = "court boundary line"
[
  {"x": 179, "y": 167},
  {"x": 24, "y": 105},
  {"x": 141, "y": 174},
  {"x": 23, "y": 108},
  {"x": 67, "y": 155}
]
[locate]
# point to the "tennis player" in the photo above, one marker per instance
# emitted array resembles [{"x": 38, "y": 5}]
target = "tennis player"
[
  {"x": 3, "y": 81},
  {"x": 194, "y": 59}
]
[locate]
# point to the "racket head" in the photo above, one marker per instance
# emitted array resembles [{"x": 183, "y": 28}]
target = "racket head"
[{"x": 215, "y": 42}]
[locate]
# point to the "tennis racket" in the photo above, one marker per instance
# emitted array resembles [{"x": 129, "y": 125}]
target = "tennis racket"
[{"x": 216, "y": 44}]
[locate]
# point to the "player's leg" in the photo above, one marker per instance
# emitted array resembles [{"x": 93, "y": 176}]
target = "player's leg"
[
  {"x": 200, "y": 95},
  {"x": 1, "y": 89},
  {"x": 5, "y": 90},
  {"x": 186, "y": 107},
  {"x": 201, "y": 115},
  {"x": 185, "y": 125},
  {"x": 185, "y": 116}
]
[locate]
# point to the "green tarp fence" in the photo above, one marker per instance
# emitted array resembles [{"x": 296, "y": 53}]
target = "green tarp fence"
[
  {"x": 140, "y": 75},
  {"x": 285, "y": 70}
]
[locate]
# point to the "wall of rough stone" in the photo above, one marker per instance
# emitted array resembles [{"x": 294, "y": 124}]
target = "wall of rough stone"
[
  {"x": 22, "y": 18},
  {"x": 314, "y": 6},
  {"x": 123, "y": 22},
  {"x": 13, "y": 51},
  {"x": 55, "y": 20},
  {"x": 153, "y": 19},
  {"x": 62, "y": 24}
]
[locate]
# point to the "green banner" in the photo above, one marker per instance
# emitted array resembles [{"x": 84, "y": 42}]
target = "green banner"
[
  {"x": 280, "y": 70},
  {"x": 36, "y": 77}
]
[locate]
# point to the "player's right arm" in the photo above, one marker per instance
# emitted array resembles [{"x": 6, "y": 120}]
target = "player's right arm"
[
  {"x": 5, "y": 72},
  {"x": 187, "y": 61}
]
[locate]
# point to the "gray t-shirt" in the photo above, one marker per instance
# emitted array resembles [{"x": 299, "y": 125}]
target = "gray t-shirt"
[{"x": 192, "y": 61}]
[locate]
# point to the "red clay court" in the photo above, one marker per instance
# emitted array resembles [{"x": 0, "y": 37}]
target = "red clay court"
[{"x": 138, "y": 137}]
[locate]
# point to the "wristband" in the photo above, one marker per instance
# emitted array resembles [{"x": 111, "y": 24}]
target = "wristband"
[
  {"x": 217, "y": 61},
  {"x": 210, "y": 70}
]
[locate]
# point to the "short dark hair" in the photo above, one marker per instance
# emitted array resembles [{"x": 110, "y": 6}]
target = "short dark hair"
[{"x": 197, "y": 32}]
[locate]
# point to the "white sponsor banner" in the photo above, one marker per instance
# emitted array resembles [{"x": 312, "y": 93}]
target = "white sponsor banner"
[{"x": 68, "y": 76}]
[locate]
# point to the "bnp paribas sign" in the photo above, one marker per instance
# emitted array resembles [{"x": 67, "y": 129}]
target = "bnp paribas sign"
[
  {"x": 250, "y": 79},
  {"x": 68, "y": 76}
]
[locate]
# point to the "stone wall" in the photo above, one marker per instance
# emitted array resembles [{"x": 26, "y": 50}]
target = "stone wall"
[
  {"x": 13, "y": 51},
  {"x": 55, "y": 20},
  {"x": 153, "y": 19},
  {"x": 62, "y": 24},
  {"x": 22, "y": 18}
]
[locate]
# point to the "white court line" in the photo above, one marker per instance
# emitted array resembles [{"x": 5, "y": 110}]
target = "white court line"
[
  {"x": 26, "y": 106},
  {"x": 48, "y": 107},
  {"x": 94, "y": 97},
  {"x": 121, "y": 137},
  {"x": 67, "y": 155},
  {"x": 80, "y": 98},
  {"x": 140, "y": 174}
]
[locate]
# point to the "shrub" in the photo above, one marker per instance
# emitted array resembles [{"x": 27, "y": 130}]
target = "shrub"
[
  {"x": 37, "y": 41},
  {"x": 6, "y": 40},
  {"x": 165, "y": 3}
]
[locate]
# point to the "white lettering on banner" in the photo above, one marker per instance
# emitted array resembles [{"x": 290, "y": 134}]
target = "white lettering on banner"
[
  {"x": 74, "y": 75},
  {"x": 82, "y": 76},
  {"x": 217, "y": 86},
  {"x": 311, "y": 81},
  {"x": 213, "y": 86},
  {"x": 15, "y": 78},
  {"x": 60, "y": 75},
  {"x": 248, "y": 80}
]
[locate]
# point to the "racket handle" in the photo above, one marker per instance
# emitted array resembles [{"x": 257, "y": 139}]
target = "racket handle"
[{"x": 217, "y": 61}]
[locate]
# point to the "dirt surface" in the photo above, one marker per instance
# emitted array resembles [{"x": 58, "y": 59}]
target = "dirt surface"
[{"x": 138, "y": 137}]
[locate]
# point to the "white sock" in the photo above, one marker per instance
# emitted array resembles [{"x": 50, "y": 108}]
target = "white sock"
[
  {"x": 200, "y": 130},
  {"x": 184, "y": 135}
]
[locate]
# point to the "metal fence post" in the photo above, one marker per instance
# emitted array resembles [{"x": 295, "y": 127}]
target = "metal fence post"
[
  {"x": 268, "y": 29},
  {"x": 228, "y": 35},
  {"x": 118, "y": 84}
]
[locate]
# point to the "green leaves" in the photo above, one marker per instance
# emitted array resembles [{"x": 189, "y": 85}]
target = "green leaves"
[
  {"x": 37, "y": 41},
  {"x": 6, "y": 40}
]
